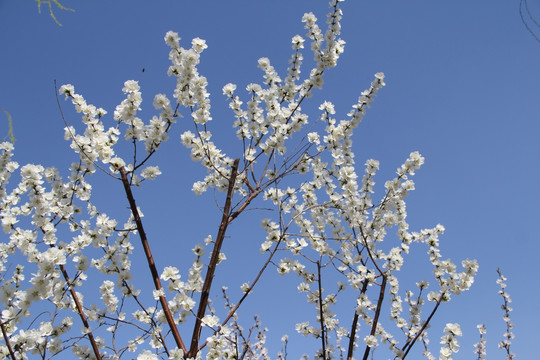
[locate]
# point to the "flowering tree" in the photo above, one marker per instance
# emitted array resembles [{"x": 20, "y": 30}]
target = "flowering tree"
[{"x": 327, "y": 228}]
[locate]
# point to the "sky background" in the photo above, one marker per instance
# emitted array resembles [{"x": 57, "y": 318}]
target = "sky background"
[{"x": 463, "y": 88}]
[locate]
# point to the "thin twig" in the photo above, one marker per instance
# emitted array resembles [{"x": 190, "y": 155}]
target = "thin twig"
[{"x": 523, "y": 19}]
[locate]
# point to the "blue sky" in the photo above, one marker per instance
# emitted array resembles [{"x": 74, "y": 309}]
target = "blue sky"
[{"x": 463, "y": 88}]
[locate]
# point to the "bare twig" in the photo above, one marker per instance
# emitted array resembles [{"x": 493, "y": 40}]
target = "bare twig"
[{"x": 521, "y": 3}]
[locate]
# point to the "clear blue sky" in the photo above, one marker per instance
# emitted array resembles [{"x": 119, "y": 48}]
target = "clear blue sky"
[{"x": 463, "y": 88}]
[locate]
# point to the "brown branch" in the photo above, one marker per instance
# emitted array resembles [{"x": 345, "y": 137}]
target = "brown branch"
[
  {"x": 258, "y": 184},
  {"x": 203, "y": 303},
  {"x": 321, "y": 315},
  {"x": 150, "y": 259},
  {"x": 246, "y": 293},
  {"x": 350, "y": 350},
  {"x": 80, "y": 310},
  {"x": 377, "y": 313},
  {"x": 235, "y": 214},
  {"x": 6, "y": 338},
  {"x": 408, "y": 345},
  {"x": 245, "y": 204}
]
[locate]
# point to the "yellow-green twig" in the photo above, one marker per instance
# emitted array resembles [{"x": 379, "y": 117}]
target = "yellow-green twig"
[
  {"x": 10, "y": 125},
  {"x": 50, "y": 3}
]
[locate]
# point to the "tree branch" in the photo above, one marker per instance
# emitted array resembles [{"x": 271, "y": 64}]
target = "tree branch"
[
  {"x": 350, "y": 350},
  {"x": 6, "y": 338},
  {"x": 246, "y": 293},
  {"x": 408, "y": 345},
  {"x": 150, "y": 259},
  {"x": 377, "y": 313},
  {"x": 203, "y": 303},
  {"x": 80, "y": 310},
  {"x": 321, "y": 313}
]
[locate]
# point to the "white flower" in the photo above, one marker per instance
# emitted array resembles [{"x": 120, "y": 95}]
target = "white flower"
[
  {"x": 176, "y": 354},
  {"x": 150, "y": 172},
  {"x": 229, "y": 89},
  {"x": 244, "y": 287},
  {"x": 328, "y": 107},
  {"x": 187, "y": 138},
  {"x": 170, "y": 272},
  {"x": 131, "y": 86},
  {"x": 210, "y": 320},
  {"x": 445, "y": 354},
  {"x": 116, "y": 163},
  {"x": 172, "y": 39},
  {"x": 313, "y": 137},
  {"x": 54, "y": 255},
  {"x": 198, "y": 45},
  {"x": 67, "y": 89},
  {"x": 147, "y": 355},
  {"x": 371, "y": 341},
  {"x": 158, "y": 293},
  {"x": 453, "y": 328},
  {"x": 298, "y": 42},
  {"x": 380, "y": 77}
]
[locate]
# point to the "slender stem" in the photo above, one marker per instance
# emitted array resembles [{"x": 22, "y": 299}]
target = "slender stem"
[
  {"x": 150, "y": 259},
  {"x": 6, "y": 338},
  {"x": 154, "y": 324},
  {"x": 377, "y": 313},
  {"x": 203, "y": 303},
  {"x": 409, "y": 345},
  {"x": 321, "y": 313}
]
